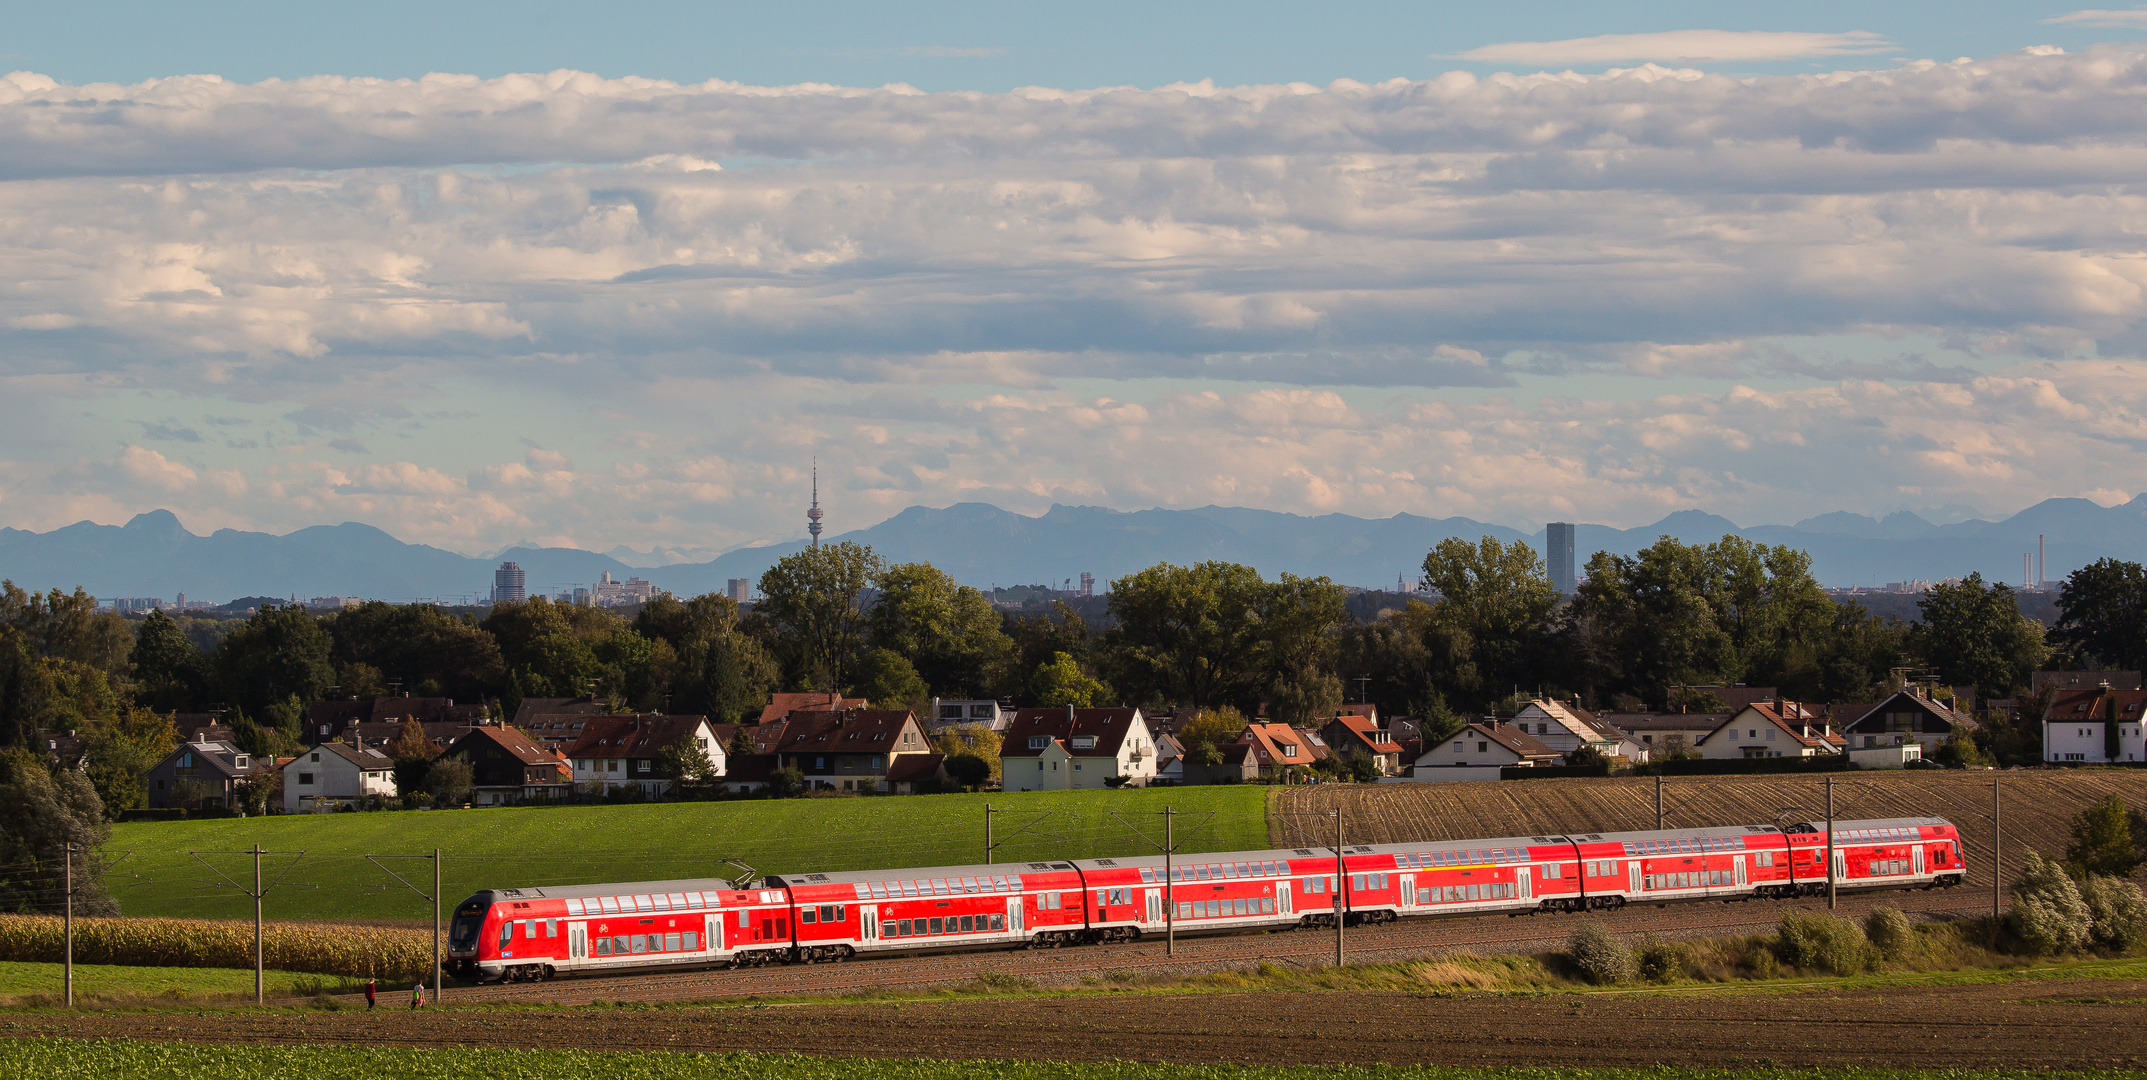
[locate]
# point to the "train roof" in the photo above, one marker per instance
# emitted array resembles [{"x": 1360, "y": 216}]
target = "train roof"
[
  {"x": 615, "y": 888},
  {"x": 913, "y": 873},
  {"x": 1712, "y": 831},
  {"x": 1843, "y": 824}
]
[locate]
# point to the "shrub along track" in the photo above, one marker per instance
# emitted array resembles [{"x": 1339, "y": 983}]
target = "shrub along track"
[{"x": 2019, "y": 1024}]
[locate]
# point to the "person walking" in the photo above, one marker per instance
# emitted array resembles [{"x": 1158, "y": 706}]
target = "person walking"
[
  {"x": 417, "y": 995},
  {"x": 372, "y": 987}
]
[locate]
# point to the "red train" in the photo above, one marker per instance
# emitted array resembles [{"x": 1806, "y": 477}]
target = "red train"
[{"x": 536, "y": 933}]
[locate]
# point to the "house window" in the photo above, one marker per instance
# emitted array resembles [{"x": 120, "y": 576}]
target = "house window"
[
  {"x": 314, "y": 760},
  {"x": 611, "y": 766},
  {"x": 1084, "y": 742},
  {"x": 305, "y": 779},
  {"x": 1289, "y": 750},
  {"x": 819, "y": 763},
  {"x": 239, "y": 761},
  {"x": 641, "y": 766},
  {"x": 1483, "y": 746},
  {"x": 1037, "y": 742}
]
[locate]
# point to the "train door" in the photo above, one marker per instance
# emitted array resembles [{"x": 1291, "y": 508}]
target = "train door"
[
  {"x": 870, "y": 922},
  {"x": 1527, "y": 886},
  {"x": 577, "y": 941},
  {"x": 1632, "y": 873},
  {"x": 1155, "y": 906},
  {"x": 1739, "y": 871},
  {"x": 1916, "y": 852},
  {"x": 1408, "y": 899},
  {"x": 1283, "y": 894},
  {"x": 1013, "y": 912},
  {"x": 1841, "y": 866}
]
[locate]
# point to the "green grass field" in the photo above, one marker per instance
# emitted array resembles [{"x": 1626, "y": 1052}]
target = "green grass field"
[
  {"x": 62, "y": 1059},
  {"x": 19, "y": 981},
  {"x": 153, "y": 874}
]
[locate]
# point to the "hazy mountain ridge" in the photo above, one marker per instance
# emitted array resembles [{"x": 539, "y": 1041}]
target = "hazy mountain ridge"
[{"x": 981, "y": 544}]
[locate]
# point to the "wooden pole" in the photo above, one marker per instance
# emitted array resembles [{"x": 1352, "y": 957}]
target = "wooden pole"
[
  {"x": 259, "y": 996},
  {"x": 1997, "y": 855},
  {"x": 1341, "y": 884},
  {"x": 1830, "y": 843},
  {"x": 987, "y": 834},
  {"x": 1658, "y": 801},
  {"x": 1170, "y": 887},
  {"x": 437, "y": 984},
  {"x": 70, "y": 924}
]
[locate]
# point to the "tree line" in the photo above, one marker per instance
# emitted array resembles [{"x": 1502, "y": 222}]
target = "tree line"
[{"x": 1212, "y": 635}]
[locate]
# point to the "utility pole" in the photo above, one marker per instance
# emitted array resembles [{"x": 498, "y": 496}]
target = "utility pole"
[
  {"x": 1341, "y": 884},
  {"x": 70, "y": 926},
  {"x": 256, "y": 893},
  {"x": 987, "y": 834},
  {"x": 1170, "y": 891},
  {"x": 1997, "y": 853},
  {"x": 1658, "y": 801},
  {"x": 1830, "y": 843},
  {"x": 436, "y": 984}
]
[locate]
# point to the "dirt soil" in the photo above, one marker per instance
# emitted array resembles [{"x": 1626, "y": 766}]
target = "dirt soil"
[{"x": 2049, "y": 1023}]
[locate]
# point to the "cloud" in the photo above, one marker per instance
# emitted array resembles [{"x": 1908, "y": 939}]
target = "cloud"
[
  {"x": 952, "y": 51},
  {"x": 1681, "y": 46},
  {"x": 2126, "y": 19}
]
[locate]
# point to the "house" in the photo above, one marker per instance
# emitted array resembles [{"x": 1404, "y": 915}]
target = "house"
[
  {"x": 334, "y": 775},
  {"x": 1907, "y": 716},
  {"x": 1566, "y": 727},
  {"x": 509, "y": 767},
  {"x": 910, "y": 771},
  {"x": 748, "y": 773},
  {"x": 1240, "y": 763},
  {"x": 1734, "y": 698},
  {"x": 1772, "y": 729},
  {"x": 1278, "y": 748},
  {"x": 850, "y": 750},
  {"x": 439, "y": 734},
  {"x": 811, "y": 701},
  {"x": 1068, "y": 748},
  {"x": 2078, "y": 727},
  {"x": 947, "y": 712},
  {"x": 66, "y": 750},
  {"x": 330, "y": 721},
  {"x": 627, "y": 749},
  {"x": 765, "y": 737},
  {"x": 1667, "y": 733},
  {"x": 202, "y": 727},
  {"x": 2063, "y": 681},
  {"x": 1350, "y": 734},
  {"x": 1170, "y": 760},
  {"x": 201, "y": 774},
  {"x": 1492, "y": 743}
]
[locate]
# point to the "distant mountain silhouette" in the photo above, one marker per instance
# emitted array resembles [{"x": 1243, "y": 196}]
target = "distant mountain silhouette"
[{"x": 980, "y": 544}]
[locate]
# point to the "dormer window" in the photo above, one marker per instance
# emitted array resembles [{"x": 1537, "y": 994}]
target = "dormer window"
[
  {"x": 239, "y": 761},
  {"x": 1289, "y": 749},
  {"x": 1038, "y": 742},
  {"x": 1084, "y": 742}
]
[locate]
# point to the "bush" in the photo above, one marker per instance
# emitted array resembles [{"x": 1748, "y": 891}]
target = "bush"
[
  {"x": 1890, "y": 933},
  {"x": 1600, "y": 956},
  {"x": 1660, "y": 962},
  {"x": 1823, "y": 943},
  {"x": 2117, "y": 911},
  {"x": 2048, "y": 915}
]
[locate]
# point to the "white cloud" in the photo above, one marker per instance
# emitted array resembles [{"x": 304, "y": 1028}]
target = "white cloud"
[
  {"x": 2125, "y": 19},
  {"x": 1681, "y": 46}
]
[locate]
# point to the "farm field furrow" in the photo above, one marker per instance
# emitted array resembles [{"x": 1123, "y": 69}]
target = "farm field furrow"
[{"x": 2048, "y": 1023}]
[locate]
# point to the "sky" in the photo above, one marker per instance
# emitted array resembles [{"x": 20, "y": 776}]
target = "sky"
[{"x": 480, "y": 274}]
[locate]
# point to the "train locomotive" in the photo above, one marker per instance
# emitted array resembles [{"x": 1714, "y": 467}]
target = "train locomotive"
[{"x": 517, "y": 934}]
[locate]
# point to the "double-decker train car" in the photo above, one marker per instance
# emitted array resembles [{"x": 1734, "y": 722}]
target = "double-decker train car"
[{"x": 511, "y": 934}]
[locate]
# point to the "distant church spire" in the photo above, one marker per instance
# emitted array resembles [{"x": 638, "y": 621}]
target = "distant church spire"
[{"x": 812, "y": 516}]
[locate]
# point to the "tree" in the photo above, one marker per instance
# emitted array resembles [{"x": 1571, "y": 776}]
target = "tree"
[
  {"x": 1585, "y": 756},
  {"x": 685, "y": 760},
  {"x": 1212, "y": 727},
  {"x": 968, "y": 770},
  {"x": 973, "y": 740},
  {"x": 812, "y": 598},
  {"x": 786, "y": 783},
  {"x": 1216, "y": 634},
  {"x": 68, "y": 626},
  {"x": 167, "y": 667},
  {"x": 413, "y": 754},
  {"x": 279, "y": 653},
  {"x": 450, "y": 781},
  {"x": 1059, "y": 682},
  {"x": 41, "y": 814},
  {"x": 1037, "y": 640},
  {"x": 1390, "y": 654},
  {"x": 2103, "y": 841},
  {"x": 887, "y": 680},
  {"x": 1973, "y": 632},
  {"x": 741, "y": 744},
  {"x": 121, "y": 749},
  {"x": 714, "y": 668},
  {"x": 1696, "y": 699},
  {"x": 2102, "y": 612},
  {"x": 259, "y": 791},
  {"x": 1361, "y": 767},
  {"x": 423, "y": 649},
  {"x": 1497, "y": 599},
  {"x": 949, "y": 632}
]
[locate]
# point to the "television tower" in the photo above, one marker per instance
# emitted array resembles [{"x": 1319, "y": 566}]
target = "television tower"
[{"x": 812, "y": 516}]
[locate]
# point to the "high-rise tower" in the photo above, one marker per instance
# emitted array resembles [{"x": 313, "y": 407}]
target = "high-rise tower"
[
  {"x": 812, "y": 516},
  {"x": 1558, "y": 556}
]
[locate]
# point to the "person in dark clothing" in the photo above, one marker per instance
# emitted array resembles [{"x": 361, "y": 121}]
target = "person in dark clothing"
[{"x": 372, "y": 987}]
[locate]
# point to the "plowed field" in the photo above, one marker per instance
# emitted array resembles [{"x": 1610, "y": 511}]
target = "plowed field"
[
  {"x": 2038, "y": 806},
  {"x": 2053, "y": 1023}
]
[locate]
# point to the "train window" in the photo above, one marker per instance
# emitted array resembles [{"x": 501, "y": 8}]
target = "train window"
[
  {"x": 938, "y": 926},
  {"x": 805, "y": 917},
  {"x": 691, "y": 940},
  {"x": 1148, "y": 875},
  {"x": 998, "y": 922},
  {"x": 659, "y": 902},
  {"x": 782, "y": 928},
  {"x": 609, "y": 905},
  {"x": 1185, "y": 910},
  {"x": 968, "y": 924},
  {"x": 551, "y": 928},
  {"x": 671, "y": 942}
]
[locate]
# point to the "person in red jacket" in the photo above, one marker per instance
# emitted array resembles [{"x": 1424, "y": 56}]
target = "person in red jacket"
[{"x": 372, "y": 995}]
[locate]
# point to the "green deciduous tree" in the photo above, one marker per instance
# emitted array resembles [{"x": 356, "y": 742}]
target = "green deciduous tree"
[
  {"x": 2102, "y": 613},
  {"x": 887, "y": 680},
  {"x": 2103, "y": 841},
  {"x": 450, "y": 781},
  {"x": 422, "y": 649},
  {"x": 1494, "y": 603},
  {"x": 684, "y": 759},
  {"x": 1973, "y": 632},
  {"x": 714, "y": 668},
  {"x": 1059, "y": 682},
  {"x": 40, "y": 815},
  {"x": 167, "y": 667},
  {"x": 949, "y": 632},
  {"x": 968, "y": 770},
  {"x": 1216, "y": 634},
  {"x": 812, "y": 600},
  {"x": 121, "y": 749},
  {"x": 970, "y": 740},
  {"x": 279, "y": 653}
]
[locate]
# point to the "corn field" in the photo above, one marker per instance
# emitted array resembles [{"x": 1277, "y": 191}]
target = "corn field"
[{"x": 389, "y": 953}]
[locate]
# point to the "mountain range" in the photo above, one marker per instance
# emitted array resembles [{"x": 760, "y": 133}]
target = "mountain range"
[{"x": 153, "y": 555}]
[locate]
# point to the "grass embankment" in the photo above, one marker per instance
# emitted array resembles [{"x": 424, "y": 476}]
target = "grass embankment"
[
  {"x": 128, "y": 1060},
  {"x": 527, "y": 846},
  {"x": 112, "y": 984}
]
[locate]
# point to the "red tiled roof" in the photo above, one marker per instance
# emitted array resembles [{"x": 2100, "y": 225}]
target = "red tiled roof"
[
  {"x": 1374, "y": 737},
  {"x": 851, "y": 731},
  {"x": 1271, "y": 738},
  {"x": 1514, "y": 739},
  {"x": 1108, "y": 726},
  {"x": 631, "y": 736},
  {"x": 812, "y": 701},
  {"x": 511, "y": 739},
  {"x": 910, "y": 768}
]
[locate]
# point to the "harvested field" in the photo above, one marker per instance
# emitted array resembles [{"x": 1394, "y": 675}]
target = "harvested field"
[
  {"x": 2038, "y": 805},
  {"x": 2056, "y": 1023}
]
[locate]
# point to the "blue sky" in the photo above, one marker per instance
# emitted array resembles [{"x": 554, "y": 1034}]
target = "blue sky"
[
  {"x": 940, "y": 46},
  {"x": 485, "y": 273}
]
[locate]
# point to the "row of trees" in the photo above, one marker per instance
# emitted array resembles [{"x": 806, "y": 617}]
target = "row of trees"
[{"x": 1212, "y": 635}]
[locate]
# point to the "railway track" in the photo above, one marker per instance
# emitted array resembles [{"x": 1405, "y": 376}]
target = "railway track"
[{"x": 1409, "y": 939}]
